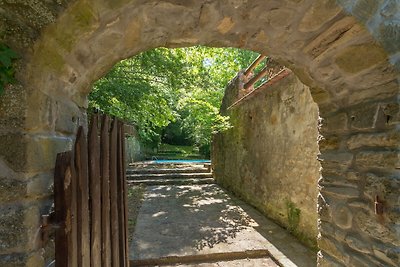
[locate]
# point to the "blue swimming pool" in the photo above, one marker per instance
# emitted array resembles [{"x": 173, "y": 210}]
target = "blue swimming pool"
[{"x": 181, "y": 161}]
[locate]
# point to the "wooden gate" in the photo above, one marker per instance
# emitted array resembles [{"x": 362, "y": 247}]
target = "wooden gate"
[{"x": 90, "y": 198}]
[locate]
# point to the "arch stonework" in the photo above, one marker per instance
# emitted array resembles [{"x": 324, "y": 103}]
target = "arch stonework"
[{"x": 345, "y": 51}]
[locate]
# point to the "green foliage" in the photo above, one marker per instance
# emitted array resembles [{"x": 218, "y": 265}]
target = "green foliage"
[
  {"x": 293, "y": 215},
  {"x": 7, "y": 56},
  {"x": 161, "y": 86}
]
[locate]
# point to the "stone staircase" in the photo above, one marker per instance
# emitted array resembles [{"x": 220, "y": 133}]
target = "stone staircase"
[{"x": 169, "y": 174}]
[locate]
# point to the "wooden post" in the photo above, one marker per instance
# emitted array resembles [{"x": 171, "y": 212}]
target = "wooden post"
[
  {"x": 125, "y": 200},
  {"x": 114, "y": 195},
  {"x": 105, "y": 191},
  {"x": 95, "y": 192},
  {"x": 121, "y": 196},
  {"x": 65, "y": 211},
  {"x": 81, "y": 167}
]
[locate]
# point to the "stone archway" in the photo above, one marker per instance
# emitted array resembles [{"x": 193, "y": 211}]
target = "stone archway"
[{"x": 352, "y": 76}]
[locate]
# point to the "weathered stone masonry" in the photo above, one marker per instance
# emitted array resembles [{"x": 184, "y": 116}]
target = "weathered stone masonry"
[
  {"x": 346, "y": 52},
  {"x": 269, "y": 156}
]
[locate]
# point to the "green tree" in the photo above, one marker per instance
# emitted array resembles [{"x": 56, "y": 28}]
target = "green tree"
[{"x": 163, "y": 85}]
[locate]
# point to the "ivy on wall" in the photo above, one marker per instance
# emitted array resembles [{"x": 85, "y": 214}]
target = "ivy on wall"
[{"x": 7, "y": 55}]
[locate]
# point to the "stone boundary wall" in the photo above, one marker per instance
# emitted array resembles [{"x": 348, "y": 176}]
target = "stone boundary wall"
[
  {"x": 347, "y": 52},
  {"x": 269, "y": 156},
  {"x": 133, "y": 147}
]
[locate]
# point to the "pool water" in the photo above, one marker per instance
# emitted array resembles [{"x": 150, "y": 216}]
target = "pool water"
[{"x": 182, "y": 161}]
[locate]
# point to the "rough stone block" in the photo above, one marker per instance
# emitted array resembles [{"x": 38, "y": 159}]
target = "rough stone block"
[
  {"x": 320, "y": 13},
  {"x": 345, "y": 192},
  {"x": 334, "y": 123},
  {"x": 386, "y": 188},
  {"x": 330, "y": 143},
  {"x": 323, "y": 208},
  {"x": 365, "y": 9},
  {"x": 333, "y": 248},
  {"x": 11, "y": 189},
  {"x": 342, "y": 216},
  {"x": 359, "y": 244},
  {"x": 12, "y": 108},
  {"x": 359, "y": 261},
  {"x": 14, "y": 189},
  {"x": 32, "y": 152},
  {"x": 42, "y": 151},
  {"x": 13, "y": 150},
  {"x": 388, "y": 139},
  {"x": 13, "y": 232},
  {"x": 392, "y": 113},
  {"x": 382, "y": 255},
  {"x": 40, "y": 185},
  {"x": 364, "y": 117},
  {"x": 324, "y": 260},
  {"x": 388, "y": 160},
  {"x": 336, "y": 160},
  {"x": 22, "y": 260},
  {"x": 389, "y": 33},
  {"x": 14, "y": 260},
  {"x": 352, "y": 59},
  {"x": 68, "y": 117},
  {"x": 371, "y": 225},
  {"x": 325, "y": 40},
  {"x": 380, "y": 92},
  {"x": 41, "y": 112}
]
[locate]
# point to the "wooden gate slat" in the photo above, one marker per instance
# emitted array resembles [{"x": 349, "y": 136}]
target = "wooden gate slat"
[
  {"x": 81, "y": 167},
  {"x": 114, "y": 195},
  {"x": 95, "y": 197},
  {"x": 105, "y": 191},
  {"x": 125, "y": 195},
  {"x": 90, "y": 198},
  {"x": 64, "y": 199},
  {"x": 121, "y": 194}
]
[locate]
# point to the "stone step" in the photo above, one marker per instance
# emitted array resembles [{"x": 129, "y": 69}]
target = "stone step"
[
  {"x": 186, "y": 181},
  {"x": 166, "y": 170},
  {"x": 236, "y": 258},
  {"x": 162, "y": 176},
  {"x": 153, "y": 165}
]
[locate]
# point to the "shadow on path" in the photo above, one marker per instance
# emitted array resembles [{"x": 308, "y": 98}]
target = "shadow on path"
[{"x": 182, "y": 221}]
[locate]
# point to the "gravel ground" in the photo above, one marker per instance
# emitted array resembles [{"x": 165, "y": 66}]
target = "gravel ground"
[{"x": 135, "y": 199}]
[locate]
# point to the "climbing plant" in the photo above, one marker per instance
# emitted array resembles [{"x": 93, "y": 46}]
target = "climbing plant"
[{"x": 7, "y": 56}]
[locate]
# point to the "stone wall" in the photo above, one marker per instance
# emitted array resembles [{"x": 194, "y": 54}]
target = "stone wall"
[
  {"x": 347, "y": 52},
  {"x": 133, "y": 147},
  {"x": 269, "y": 156}
]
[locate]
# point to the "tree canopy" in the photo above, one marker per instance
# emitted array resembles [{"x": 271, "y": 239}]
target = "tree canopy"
[{"x": 160, "y": 86}]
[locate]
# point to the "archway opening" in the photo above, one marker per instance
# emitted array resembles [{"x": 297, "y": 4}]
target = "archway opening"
[
  {"x": 345, "y": 52},
  {"x": 146, "y": 88}
]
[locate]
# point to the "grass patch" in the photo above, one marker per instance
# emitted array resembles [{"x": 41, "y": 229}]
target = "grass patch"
[{"x": 167, "y": 151}]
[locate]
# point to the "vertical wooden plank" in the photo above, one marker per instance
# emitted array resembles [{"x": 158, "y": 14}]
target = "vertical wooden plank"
[
  {"x": 81, "y": 167},
  {"x": 105, "y": 191},
  {"x": 64, "y": 194},
  {"x": 125, "y": 200},
  {"x": 121, "y": 198},
  {"x": 113, "y": 195},
  {"x": 95, "y": 197}
]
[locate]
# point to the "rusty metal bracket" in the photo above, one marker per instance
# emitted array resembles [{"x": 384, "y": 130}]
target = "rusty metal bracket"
[
  {"x": 47, "y": 227},
  {"x": 378, "y": 206}
]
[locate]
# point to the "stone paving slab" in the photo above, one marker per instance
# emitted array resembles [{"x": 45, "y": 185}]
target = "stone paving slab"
[
  {"x": 264, "y": 262},
  {"x": 182, "y": 221}
]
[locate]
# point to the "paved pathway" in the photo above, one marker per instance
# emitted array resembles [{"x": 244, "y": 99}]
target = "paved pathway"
[{"x": 201, "y": 225}]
